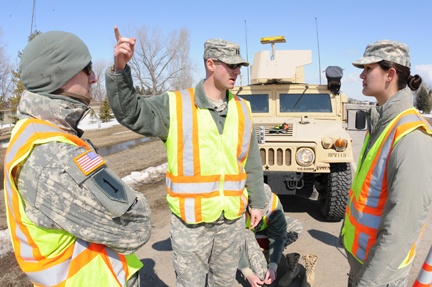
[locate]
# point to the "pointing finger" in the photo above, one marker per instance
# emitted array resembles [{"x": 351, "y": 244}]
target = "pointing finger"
[{"x": 117, "y": 33}]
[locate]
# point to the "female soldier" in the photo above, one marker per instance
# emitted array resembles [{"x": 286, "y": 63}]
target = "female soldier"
[{"x": 390, "y": 195}]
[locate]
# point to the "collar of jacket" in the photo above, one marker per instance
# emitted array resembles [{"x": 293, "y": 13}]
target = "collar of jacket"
[
  {"x": 201, "y": 100},
  {"x": 381, "y": 115},
  {"x": 64, "y": 112}
]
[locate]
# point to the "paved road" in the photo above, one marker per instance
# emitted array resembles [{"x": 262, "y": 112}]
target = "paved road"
[{"x": 318, "y": 237}]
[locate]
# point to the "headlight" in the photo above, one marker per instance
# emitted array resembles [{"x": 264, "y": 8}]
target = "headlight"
[
  {"x": 327, "y": 142},
  {"x": 305, "y": 156}
]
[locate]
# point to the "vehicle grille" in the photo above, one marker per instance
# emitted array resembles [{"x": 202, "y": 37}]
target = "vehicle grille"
[
  {"x": 268, "y": 133},
  {"x": 275, "y": 156}
]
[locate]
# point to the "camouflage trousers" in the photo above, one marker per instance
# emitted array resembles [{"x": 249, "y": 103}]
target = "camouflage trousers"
[
  {"x": 257, "y": 259},
  {"x": 294, "y": 229},
  {"x": 401, "y": 282},
  {"x": 206, "y": 252}
]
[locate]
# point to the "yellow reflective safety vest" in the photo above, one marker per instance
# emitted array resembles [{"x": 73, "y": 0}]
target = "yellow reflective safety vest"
[
  {"x": 271, "y": 206},
  {"x": 205, "y": 173},
  {"x": 369, "y": 192},
  {"x": 52, "y": 257}
]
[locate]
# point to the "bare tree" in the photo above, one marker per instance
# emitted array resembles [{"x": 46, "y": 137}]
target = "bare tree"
[
  {"x": 161, "y": 63},
  {"x": 98, "y": 91},
  {"x": 5, "y": 77}
]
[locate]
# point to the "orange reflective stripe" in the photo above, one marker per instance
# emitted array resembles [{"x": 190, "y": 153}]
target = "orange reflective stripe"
[
  {"x": 240, "y": 129},
  {"x": 195, "y": 135},
  {"x": 198, "y": 209}
]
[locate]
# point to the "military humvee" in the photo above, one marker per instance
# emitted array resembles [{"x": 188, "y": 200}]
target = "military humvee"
[{"x": 305, "y": 149}]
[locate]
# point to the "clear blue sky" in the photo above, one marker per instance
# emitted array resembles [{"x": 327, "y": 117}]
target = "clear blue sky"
[{"x": 344, "y": 27}]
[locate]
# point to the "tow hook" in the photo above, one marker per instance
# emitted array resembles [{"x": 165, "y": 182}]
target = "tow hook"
[{"x": 294, "y": 182}]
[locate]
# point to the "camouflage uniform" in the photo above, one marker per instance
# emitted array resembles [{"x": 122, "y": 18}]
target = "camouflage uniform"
[
  {"x": 206, "y": 249},
  {"x": 59, "y": 196},
  {"x": 280, "y": 231}
]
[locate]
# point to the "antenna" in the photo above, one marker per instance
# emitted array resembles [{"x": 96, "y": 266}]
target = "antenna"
[
  {"x": 247, "y": 53},
  {"x": 31, "y": 27},
  {"x": 319, "y": 59}
]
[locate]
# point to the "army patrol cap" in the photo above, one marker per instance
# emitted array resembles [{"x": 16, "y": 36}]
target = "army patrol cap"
[
  {"x": 396, "y": 52},
  {"x": 224, "y": 51}
]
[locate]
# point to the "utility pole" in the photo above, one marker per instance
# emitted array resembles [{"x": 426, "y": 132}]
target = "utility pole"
[
  {"x": 247, "y": 54},
  {"x": 319, "y": 60}
]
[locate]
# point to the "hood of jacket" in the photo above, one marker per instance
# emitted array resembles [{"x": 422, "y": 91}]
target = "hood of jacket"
[{"x": 62, "y": 111}]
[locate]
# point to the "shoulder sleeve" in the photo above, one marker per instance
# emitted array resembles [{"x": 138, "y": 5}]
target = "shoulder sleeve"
[
  {"x": 146, "y": 116},
  {"x": 91, "y": 203},
  {"x": 255, "y": 179}
]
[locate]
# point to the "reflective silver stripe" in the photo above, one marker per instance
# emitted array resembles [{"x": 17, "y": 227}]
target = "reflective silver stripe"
[
  {"x": 116, "y": 265},
  {"x": 366, "y": 219},
  {"x": 192, "y": 188},
  {"x": 379, "y": 170},
  {"x": 24, "y": 137},
  {"x": 234, "y": 185},
  {"x": 187, "y": 121},
  {"x": 52, "y": 275},
  {"x": 203, "y": 187},
  {"x": 190, "y": 209}
]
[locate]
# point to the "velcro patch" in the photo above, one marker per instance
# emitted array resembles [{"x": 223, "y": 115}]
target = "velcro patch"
[{"x": 89, "y": 161}]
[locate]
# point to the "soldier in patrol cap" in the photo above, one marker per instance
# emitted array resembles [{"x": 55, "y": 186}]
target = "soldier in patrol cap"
[
  {"x": 214, "y": 166},
  {"x": 390, "y": 196},
  {"x": 73, "y": 222}
]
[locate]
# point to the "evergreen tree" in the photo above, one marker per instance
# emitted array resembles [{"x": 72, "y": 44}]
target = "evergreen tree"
[
  {"x": 16, "y": 96},
  {"x": 423, "y": 100},
  {"x": 105, "y": 112}
]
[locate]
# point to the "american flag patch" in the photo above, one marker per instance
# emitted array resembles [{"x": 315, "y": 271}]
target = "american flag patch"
[{"x": 89, "y": 161}]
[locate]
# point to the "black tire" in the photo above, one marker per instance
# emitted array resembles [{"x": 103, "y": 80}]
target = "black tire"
[{"x": 334, "y": 195}]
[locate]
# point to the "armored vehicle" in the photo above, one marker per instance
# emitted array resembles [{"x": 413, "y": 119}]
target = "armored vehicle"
[{"x": 305, "y": 149}]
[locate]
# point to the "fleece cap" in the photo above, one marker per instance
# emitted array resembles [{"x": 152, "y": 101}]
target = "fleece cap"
[
  {"x": 224, "y": 51},
  {"x": 396, "y": 52},
  {"x": 51, "y": 59}
]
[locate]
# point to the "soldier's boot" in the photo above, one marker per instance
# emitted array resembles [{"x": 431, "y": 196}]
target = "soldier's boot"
[
  {"x": 293, "y": 270},
  {"x": 309, "y": 261}
]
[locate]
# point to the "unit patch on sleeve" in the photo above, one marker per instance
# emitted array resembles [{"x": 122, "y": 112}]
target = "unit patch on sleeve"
[{"x": 89, "y": 161}]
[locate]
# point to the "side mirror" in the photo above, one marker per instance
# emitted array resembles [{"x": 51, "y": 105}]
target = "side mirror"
[{"x": 360, "y": 121}]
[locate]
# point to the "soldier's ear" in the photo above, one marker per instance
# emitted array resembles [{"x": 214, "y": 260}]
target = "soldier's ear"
[{"x": 391, "y": 74}]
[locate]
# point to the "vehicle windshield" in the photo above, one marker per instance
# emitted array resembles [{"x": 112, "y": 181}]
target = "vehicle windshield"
[
  {"x": 313, "y": 103},
  {"x": 291, "y": 103},
  {"x": 259, "y": 102}
]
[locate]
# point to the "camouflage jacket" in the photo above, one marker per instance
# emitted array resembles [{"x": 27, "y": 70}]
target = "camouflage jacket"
[{"x": 59, "y": 196}]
